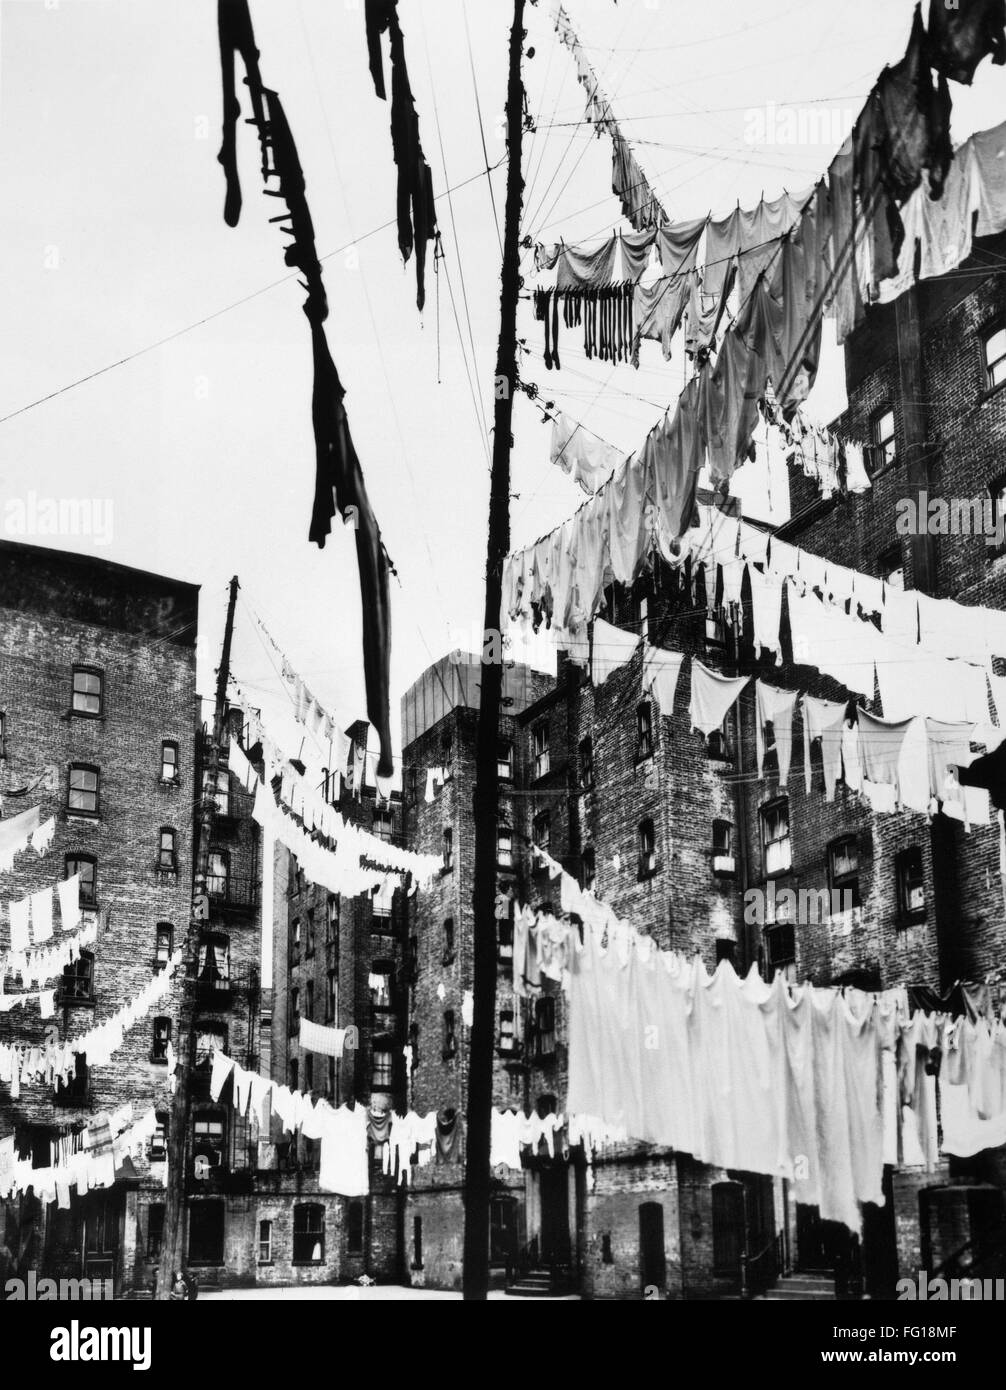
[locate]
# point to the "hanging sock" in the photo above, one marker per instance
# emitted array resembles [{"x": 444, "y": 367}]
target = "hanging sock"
[{"x": 234, "y": 28}]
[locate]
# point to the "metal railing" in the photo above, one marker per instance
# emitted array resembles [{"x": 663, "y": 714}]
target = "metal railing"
[{"x": 760, "y": 1271}]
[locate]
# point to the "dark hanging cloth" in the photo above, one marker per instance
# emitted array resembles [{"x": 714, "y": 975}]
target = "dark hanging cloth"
[
  {"x": 416, "y": 209},
  {"x": 450, "y": 1137},
  {"x": 988, "y": 771},
  {"x": 234, "y": 28},
  {"x": 921, "y": 998},
  {"x": 961, "y": 37},
  {"x": 339, "y": 486},
  {"x": 302, "y": 252},
  {"x": 903, "y": 129}
]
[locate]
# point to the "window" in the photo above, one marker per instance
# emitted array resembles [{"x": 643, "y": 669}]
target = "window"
[
  {"x": 911, "y": 885},
  {"x": 719, "y": 744},
  {"x": 412, "y": 787},
  {"x": 214, "y": 963},
  {"x": 587, "y": 764},
  {"x": 450, "y": 1042},
  {"x": 381, "y": 1073},
  {"x": 644, "y": 731},
  {"x": 383, "y": 825},
  {"x": 299, "y": 880},
  {"x": 504, "y": 847},
  {"x": 541, "y": 830},
  {"x": 775, "y": 842},
  {"x": 723, "y": 847},
  {"x": 448, "y": 956},
  {"x": 309, "y": 1000},
  {"x": 206, "y": 1233},
  {"x": 78, "y": 980},
  {"x": 413, "y": 959},
  {"x": 210, "y": 1038},
  {"x": 88, "y": 870},
  {"x": 87, "y": 693},
  {"x": 217, "y": 787},
  {"x": 725, "y": 950},
  {"x": 354, "y": 1227},
  {"x": 994, "y": 346},
  {"x": 159, "y": 1138},
  {"x": 294, "y": 1009},
  {"x": 544, "y": 1027},
  {"x": 780, "y": 947},
  {"x": 507, "y": 1040},
  {"x": 717, "y": 629},
  {"x": 161, "y": 1039},
  {"x": 169, "y": 762},
  {"x": 76, "y": 1090},
  {"x": 447, "y": 757},
  {"x": 293, "y": 1074},
  {"x": 884, "y": 446},
  {"x": 309, "y": 1073},
  {"x": 539, "y": 749},
  {"x": 295, "y": 941},
  {"x": 208, "y": 1138},
  {"x": 383, "y": 899},
  {"x": 892, "y": 567},
  {"x": 414, "y": 1044},
  {"x": 163, "y": 940},
  {"x": 504, "y": 762},
  {"x": 167, "y": 856},
  {"x": 82, "y": 790},
  {"x": 843, "y": 870},
  {"x": 647, "y": 849},
  {"x": 643, "y": 617},
  {"x": 448, "y": 848},
  {"x": 588, "y": 870},
  {"x": 332, "y": 921},
  {"x": 380, "y": 985},
  {"x": 265, "y": 1242},
  {"x": 155, "y": 1230},
  {"x": 332, "y": 997},
  {"x": 217, "y": 873},
  {"x": 504, "y": 944},
  {"x": 309, "y": 944},
  {"x": 417, "y": 1242}
]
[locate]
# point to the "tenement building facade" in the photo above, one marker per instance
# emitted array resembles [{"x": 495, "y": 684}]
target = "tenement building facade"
[
  {"x": 98, "y": 720},
  {"x": 679, "y": 834}
]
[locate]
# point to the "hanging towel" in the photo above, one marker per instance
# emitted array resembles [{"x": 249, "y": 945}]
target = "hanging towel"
[
  {"x": 824, "y": 720},
  {"x": 328, "y": 1042},
  {"x": 880, "y": 743},
  {"x": 41, "y": 916},
  {"x": 775, "y": 707},
  {"x": 20, "y": 913},
  {"x": 713, "y": 696},
  {"x": 578, "y": 270},
  {"x": 220, "y": 1069},
  {"x": 766, "y": 610},
  {"x": 678, "y": 244},
  {"x": 660, "y": 676},
  {"x": 611, "y": 649},
  {"x": 657, "y": 311},
  {"x": 590, "y": 461}
]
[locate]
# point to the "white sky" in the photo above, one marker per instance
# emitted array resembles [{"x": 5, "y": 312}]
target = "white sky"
[{"x": 109, "y": 128}]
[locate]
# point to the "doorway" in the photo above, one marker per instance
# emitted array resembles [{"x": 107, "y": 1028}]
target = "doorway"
[
  {"x": 652, "y": 1253},
  {"x": 554, "y": 1188}
]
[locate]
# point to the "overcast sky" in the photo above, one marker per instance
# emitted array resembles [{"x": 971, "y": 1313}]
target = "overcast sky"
[{"x": 113, "y": 239}]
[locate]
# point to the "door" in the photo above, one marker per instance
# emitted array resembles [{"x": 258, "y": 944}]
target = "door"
[
  {"x": 729, "y": 1240},
  {"x": 101, "y": 1212},
  {"x": 652, "y": 1255},
  {"x": 555, "y": 1214},
  {"x": 503, "y": 1243}
]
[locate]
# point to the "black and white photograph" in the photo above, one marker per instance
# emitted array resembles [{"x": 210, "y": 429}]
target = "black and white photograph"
[{"x": 503, "y": 667}]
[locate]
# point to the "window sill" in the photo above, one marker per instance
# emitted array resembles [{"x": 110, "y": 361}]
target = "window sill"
[
  {"x": 265, "y": 1264},
  {"x": 73, "y": 1003},
  {"x": 83, "y": 714},
  {"x": 447, "y": 869},
  {"x": 991, "y": 391},
  {"x": 174, "y": 782},
  {"x": 81, "y": 815},
  {"x": 158, "y": 1061},
  {"x": 905, "y": 921}
]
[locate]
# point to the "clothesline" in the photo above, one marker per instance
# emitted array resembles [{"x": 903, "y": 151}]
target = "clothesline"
[
  {"x": 85, "y": 1161},
  {"x": 31, "y": 918}
]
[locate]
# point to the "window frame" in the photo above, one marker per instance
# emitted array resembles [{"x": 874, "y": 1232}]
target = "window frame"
[
  {"x": 588, "y": 868},
  {"x": 382, "y": 1074},
  {"x": 723, "y": 858},
  {"x": 265, "y": 1241},
  {"x": 989, "y": 332},
  {"x": 540, "y": 749},
  {"x": 884, "y": 447},
  {"x": 447, "y": 843},
  {"x": 99, "y": 675},
  {"x": 86, "y": 902},
  {"x": 645, "y": 741},
  {"x": 585, "y": 756},
  {"x": 504, "y": 760},
  {"x": 160, "y": 1039},
  {"x": 776, "y": 805},
  {"x": 504, "y": 847},
  {"x": 450, "y": 1047},
  {"x": 646, "y": 848},
  {"x": 449, "y": 953},
  {"x": 541, "y": 831},
  {"x": 83, "y": 988},
  {"x": 907, "y": 915},
  {"x": 891, "y": 562},
  {"x": 90, "y": 770},
  {"x": 174, "y": 778},
  {"x": 169, "y": 865},
  {"x": 846, "y": 879}
]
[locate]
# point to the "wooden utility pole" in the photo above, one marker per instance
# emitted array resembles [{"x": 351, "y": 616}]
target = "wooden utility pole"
[
  {"x": 174, "y": 1204},
  {"x": 480, "y": 1073}
]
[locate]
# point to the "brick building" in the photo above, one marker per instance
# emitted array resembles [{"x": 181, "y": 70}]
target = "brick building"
[
  {"x": 98, "y": 685},
  {"x": 671, "y": 831}
]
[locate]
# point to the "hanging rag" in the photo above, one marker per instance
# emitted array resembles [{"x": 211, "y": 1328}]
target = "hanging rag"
[
  {"x": 766, "y": 610},
  {"x": 824, "y": 720},
  {"x": 880, "y": 743},
  {"x": 712, "y": 698},
  {"x": 589, "y": 460},
  {"x": 660, "y": 676},
  {"x": 611, "y": 649},
  {"x": 775, "y": 707},
  {"x": 962, "y": 34}
]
